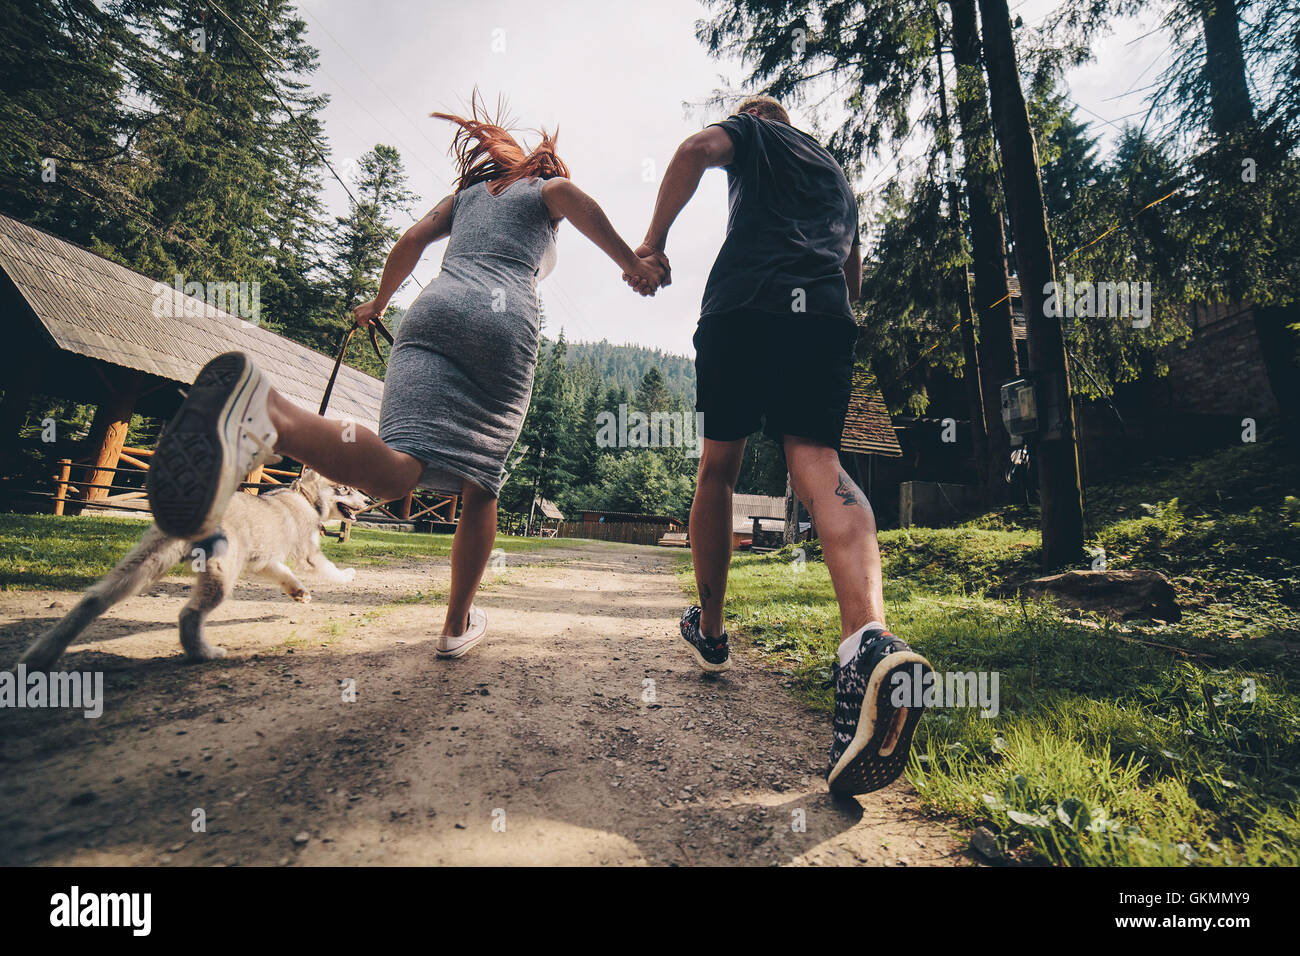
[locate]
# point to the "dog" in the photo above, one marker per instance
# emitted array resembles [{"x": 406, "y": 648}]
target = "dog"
[{"x": 259, "y": 534}]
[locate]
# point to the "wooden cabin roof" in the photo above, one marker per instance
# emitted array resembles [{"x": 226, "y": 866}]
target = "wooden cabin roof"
[
  {"x": 93, "y": 307},
  {"x": 868, "y": 429}
]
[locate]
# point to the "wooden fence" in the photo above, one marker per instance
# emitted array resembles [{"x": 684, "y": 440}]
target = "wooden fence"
[
  {"x": 80, "y": 485},
  {"x": 84, "y": 484},
  {"x": 627, "y": 532}
]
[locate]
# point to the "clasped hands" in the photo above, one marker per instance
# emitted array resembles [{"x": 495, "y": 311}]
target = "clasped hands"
[{"x": 651, "y": 273}]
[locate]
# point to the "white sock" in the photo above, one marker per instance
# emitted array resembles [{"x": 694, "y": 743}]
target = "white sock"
[{"x": 849, "y": 646}]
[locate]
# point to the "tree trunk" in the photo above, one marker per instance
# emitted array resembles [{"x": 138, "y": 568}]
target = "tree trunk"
[
  {"x": 961, "y": 285},
  {"x": 1225, "y": 67},
  {"x": 1055, "y": 449},
  {"x": 1231, "y": 110},
  {"x": 997, "y": 346}
]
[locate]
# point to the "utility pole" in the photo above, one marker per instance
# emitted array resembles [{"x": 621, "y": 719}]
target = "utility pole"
[{"x": 1054, "y": 450}]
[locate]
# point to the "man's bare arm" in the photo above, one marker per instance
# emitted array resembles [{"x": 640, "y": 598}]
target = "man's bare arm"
[
  {"x": 708, "y": 148},
  {"x": 853, "y": 272}
]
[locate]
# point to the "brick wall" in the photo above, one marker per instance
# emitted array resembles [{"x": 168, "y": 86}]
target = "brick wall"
[{"x": 1221, "y": 370}]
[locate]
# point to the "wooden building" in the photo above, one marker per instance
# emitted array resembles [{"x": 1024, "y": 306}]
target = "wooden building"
[{"x": 85, "y": 329}]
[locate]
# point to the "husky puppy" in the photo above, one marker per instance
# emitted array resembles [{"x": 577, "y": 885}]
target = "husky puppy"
[{"x": 259, "y": 534}]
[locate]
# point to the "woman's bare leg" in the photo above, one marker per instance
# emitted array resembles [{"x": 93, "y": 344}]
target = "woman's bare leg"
[
  {"x": 342, "y": 451},
  {"x": 476, "y": 532}
]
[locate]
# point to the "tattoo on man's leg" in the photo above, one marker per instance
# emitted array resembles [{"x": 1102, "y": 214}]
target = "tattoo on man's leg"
[
  {"x": 848, "y": 492},
  {"x": 705, "y": 595}
]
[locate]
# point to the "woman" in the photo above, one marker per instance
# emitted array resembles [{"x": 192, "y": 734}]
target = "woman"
[{"x": 459, "y": 377}]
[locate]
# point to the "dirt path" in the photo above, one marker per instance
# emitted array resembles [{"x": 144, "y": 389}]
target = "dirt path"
[{"x": 579, "y": 732}]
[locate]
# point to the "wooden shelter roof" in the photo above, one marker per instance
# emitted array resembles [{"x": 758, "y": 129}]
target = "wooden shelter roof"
[
  {"x": 93, "y": 307},
  {"x": 549, "y": 509},
  {"x": 868, "y": 429}
]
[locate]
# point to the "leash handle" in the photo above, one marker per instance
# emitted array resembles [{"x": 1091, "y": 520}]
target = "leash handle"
[
  {"x": 375, "y": 326},
  {"x": 329, "y": 387}
]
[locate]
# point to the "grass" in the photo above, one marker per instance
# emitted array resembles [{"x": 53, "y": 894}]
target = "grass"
[
  {"x": 1140, "y": 744},
  {"x": 48, "y": 552}
]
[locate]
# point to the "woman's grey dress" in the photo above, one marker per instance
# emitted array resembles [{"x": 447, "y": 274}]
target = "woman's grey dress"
[{"x": 460, "y": 374}]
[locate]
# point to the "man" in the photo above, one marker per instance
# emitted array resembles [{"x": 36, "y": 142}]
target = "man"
[{"x": 775, "y": 347}]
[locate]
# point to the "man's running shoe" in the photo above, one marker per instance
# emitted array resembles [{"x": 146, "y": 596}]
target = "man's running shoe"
[
  {"x": 475, "y": 629},
  {"x": 222, "y": 432},
  {"x": 871, "y": 736},
  {"x": 710, "y": 652}
]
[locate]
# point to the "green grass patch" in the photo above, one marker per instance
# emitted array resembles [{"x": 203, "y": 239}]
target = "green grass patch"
[
  {"x": 49, "y": 552},
  {"x": 60, "y": 552},
  {"x": 372, "y": 546}
]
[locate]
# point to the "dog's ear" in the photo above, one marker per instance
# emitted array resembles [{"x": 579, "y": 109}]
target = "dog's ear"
[{"x": 307, "y": 474}]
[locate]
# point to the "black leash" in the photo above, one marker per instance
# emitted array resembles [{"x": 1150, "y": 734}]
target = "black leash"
[{"x": 375, "y": 325}]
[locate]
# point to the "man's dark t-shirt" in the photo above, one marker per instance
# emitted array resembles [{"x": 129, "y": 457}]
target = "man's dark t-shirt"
[{"x": 792, "y": 222}]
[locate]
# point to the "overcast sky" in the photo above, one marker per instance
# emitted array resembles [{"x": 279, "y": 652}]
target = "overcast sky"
[{"x": 614, "y": 76}]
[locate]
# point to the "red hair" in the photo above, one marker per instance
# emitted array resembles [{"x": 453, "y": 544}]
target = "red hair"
[{"x": 486, "y": 152}]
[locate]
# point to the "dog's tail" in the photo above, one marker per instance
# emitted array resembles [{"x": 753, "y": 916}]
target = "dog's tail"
[{"x": 146, "y": 563}]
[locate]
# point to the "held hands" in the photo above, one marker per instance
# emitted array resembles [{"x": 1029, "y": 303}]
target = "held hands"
[
  {"x": 367, "y": 312},
  {"x": 651, "y": 273}
]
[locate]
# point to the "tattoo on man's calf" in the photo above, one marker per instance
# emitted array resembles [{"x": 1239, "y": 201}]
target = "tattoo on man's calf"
[{"x": 848, "y": 492}]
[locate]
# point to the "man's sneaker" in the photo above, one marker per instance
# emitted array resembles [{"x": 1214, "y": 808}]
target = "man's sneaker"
[
  {"x": 710, "y": 652},
  {"x": 222, "y": 432},
  {"x": 872, "y": 737},
  {"x": 475, "y": 629}
]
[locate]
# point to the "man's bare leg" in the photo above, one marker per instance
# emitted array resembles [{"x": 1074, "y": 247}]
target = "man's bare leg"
[
  {"x": 871, "y": 734},
  {"x": 711, "y": 527},
  {"x": 847, "y": 528},
  {"x": 341, "y": 451}
]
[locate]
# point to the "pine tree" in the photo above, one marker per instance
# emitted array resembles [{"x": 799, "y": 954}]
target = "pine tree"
[
  {"x": 64, "y": 131},
  {"x": 359, "y": 244}
]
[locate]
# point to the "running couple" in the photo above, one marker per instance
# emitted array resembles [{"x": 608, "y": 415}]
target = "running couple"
[{"x": 461, "y": 373}]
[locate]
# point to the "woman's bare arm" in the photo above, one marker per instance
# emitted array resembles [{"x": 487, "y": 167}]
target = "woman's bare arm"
[
  {"x": 404, "y": 256},
  {"x": 564, "y": 200}
]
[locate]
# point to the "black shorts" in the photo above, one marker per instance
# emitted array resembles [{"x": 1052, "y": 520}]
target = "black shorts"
[{"x": 790, "y": 374}]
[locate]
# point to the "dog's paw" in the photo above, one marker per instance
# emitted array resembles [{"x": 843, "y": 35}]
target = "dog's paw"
[
  {"x": 346, "y": 575},
  {"x": 39, "y": 657},
  {"x": 300, "y": 595},
  {"x": 204, "y": 652}
]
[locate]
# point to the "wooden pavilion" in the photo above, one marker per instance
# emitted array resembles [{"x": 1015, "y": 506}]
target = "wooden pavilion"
[{"x": 86, "y": 329}]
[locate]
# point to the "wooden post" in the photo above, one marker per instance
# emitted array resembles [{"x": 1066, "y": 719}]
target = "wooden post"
[
  {"x": 257, "y": 474},
  {"x": 108, "y": 433},
  {"x": 791, "y": 532},
  {"x": 61, "y": 488}
]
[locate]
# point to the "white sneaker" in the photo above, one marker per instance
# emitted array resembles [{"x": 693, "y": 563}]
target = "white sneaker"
[
  {"x": 222, "y": 432},
  {"x": 456, "y": 646}
]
